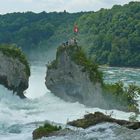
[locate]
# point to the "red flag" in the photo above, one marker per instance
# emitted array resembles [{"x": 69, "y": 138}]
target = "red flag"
[{"x": 75, "y": 29}]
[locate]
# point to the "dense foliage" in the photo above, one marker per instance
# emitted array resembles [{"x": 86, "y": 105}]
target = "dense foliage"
[
  {"x": 16, "y": 53},
  {"x": 124, "y": 95},
  {"x": 113, "y": 35}
]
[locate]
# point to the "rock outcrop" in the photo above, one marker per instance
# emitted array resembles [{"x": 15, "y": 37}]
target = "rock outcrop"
[
  {"x": 70, "y": 80},
  {"x": 48, "y": 130},
  {"x": 14, "y": 70},
  {"x": 98, "y": 117},
  {"x": 74, "y": 78}
]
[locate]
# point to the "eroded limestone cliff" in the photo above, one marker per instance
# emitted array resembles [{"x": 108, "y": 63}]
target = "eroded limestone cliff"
[
  {"x": 73, "y": 77},
  {"x": 14, "y": 70}
]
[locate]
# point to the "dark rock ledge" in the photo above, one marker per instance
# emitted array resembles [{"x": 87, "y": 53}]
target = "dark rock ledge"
[{"x": 98, "y": 117}]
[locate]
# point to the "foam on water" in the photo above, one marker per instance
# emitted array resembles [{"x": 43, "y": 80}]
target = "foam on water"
[
  {"x": 104, "y": 131},
  {"x": 18, "y": 118},
  {"x": 128, "y": 75}
]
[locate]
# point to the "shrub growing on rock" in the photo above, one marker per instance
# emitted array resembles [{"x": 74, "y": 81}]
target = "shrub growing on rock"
[{"x": 44, "y": 131}]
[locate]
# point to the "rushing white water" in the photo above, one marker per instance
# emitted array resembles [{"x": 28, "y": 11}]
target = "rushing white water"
[{"x": 18, "y": 118}]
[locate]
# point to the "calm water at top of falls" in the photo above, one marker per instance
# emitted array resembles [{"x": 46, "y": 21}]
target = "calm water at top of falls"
[{"x": 18, "y": 118}]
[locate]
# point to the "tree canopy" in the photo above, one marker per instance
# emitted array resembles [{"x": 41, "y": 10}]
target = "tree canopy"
[{"x": 113, "y": 35}]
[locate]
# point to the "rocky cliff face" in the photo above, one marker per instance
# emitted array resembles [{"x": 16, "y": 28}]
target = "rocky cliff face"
[
  {"x": 13, "y": 73},
  {"x": 75, "y": 78}
]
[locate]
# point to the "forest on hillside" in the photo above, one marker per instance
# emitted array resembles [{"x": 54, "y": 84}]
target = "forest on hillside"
[
  {"x": 113, "y": 35},
  {"x": 31, "y": 31},
  {"x": 109, "y": 36}
]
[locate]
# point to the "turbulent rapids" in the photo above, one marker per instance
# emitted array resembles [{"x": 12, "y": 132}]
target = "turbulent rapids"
[{"x": 18, "y": 118}]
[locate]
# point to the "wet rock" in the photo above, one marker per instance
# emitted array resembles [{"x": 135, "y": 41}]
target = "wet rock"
[
  {"x": 14, "y": 72},
  {"x": 98, "y": 117},
  {"x": 49, "y": 130}
]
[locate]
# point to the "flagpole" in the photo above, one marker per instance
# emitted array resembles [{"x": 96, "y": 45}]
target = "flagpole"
[{"x": 76, "y": 30}]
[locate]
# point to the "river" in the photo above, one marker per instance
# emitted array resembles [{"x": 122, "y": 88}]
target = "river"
[{"x": 18, "y": 118}]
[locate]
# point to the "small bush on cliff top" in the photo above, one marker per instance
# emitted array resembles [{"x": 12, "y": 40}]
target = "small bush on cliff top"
[{"x": 14, "y": 52}]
